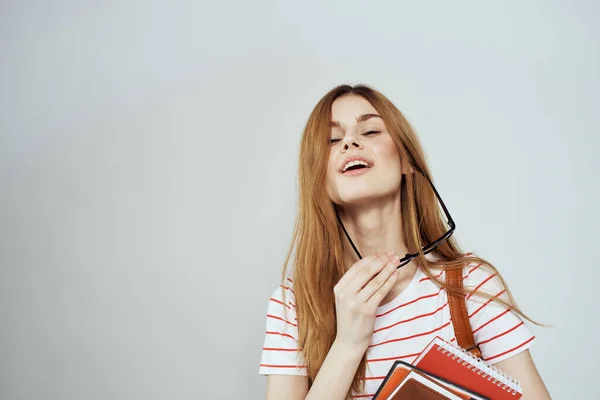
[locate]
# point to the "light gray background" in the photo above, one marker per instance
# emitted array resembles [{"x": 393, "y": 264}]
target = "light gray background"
[{"x": 147, "y": 168}]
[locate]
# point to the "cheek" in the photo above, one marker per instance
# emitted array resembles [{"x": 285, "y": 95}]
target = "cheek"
[
  {"x": 388, "y": 154},
  {"x": 330, "y": 170},
  {"x": 330, "y": 176}
]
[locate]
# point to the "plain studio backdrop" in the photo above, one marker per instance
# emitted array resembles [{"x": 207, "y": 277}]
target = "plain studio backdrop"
[{"x": 148, "y": 158}]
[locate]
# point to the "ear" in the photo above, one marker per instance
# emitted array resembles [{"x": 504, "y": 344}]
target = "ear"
[{"x": 408, "y": 167}]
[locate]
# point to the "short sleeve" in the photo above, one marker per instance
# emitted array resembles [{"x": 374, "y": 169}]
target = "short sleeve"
[
  {"x": 499, "y": 331},
  {"x": 281, "y": 354}
]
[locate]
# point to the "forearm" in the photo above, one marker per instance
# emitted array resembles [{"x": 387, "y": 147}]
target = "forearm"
[{"x": 336, "y": 374}]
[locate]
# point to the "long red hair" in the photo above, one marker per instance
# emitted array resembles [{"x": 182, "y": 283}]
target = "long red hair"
[{"x": 318, "y": 263}]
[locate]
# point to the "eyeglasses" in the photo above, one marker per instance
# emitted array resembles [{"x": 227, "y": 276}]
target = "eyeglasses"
[{"x": 429, "y": 247}]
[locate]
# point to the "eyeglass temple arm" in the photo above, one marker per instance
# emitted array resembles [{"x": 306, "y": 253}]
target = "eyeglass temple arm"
[{"x": 428, "y": 248}]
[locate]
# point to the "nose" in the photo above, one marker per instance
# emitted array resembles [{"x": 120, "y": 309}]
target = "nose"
[{"x": 350, "y": 140}]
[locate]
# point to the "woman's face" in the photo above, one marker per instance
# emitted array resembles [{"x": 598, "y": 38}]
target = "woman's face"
[{"x": 358, "y": 132}]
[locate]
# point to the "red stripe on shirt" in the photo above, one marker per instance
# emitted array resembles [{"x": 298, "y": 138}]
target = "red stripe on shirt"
[
  {"x": 281, "y": 319},
  {"x": 481, "y": 284},
  {"x": 509, "y": 350},
  {"x": 278, "y": 349},
  {"x": 471, "y": 270},
  {"x": 410, "y": 319},
  {"x": 280, "y": 302},
  {"x": 410, "y": 302},
  {"x": 287, "y": 288},
  {"x": 282, "y": 366},
  {"x": 491, "y": 320},
  {"x": 281, "y": 334},
  {"x": 502, "y": 334},
  {"x": 374, "y": 378},
  {"x": 428, "y": 278},
  {"x": 411, "y": 336},
  {"x": 486, "y": 303}
]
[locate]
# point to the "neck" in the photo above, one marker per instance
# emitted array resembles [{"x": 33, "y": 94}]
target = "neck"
[
  {"x": 373, "y": 227},
  {"x": 377, "y": 227}
]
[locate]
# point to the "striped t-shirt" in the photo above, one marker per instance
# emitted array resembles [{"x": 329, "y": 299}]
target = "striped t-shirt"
[{"x": 404, "y": 326}]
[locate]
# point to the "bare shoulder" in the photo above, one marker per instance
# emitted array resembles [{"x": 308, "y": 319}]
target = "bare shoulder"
[
  {"x": 522, "y": 367},
  {"x": 292, "y": 387}
]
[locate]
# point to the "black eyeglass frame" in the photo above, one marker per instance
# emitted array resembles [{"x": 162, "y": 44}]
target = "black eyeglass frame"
[{"x": 426, "y": 249}]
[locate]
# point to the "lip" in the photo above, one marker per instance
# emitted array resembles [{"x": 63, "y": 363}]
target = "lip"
[
  {"x": 354, "y": 158},
  {"x": 356, "y": 172}
]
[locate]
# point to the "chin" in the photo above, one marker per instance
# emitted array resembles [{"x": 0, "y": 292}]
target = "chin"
[{"x": 359, "y": 196}]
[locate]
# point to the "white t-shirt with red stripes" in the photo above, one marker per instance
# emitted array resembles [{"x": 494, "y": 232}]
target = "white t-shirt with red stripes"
[{"x": 404, "y": 326}]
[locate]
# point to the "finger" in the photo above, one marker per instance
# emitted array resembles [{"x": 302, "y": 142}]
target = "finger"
[
  {"x": 367, "y": 273},
  {"x": 354, "y": 269},
  {"x": 378, "y": 280},
  {"x": 378, "y": 296}
]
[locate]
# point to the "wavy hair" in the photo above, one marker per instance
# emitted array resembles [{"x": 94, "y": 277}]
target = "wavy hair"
[{"x": 318, "y": 262}]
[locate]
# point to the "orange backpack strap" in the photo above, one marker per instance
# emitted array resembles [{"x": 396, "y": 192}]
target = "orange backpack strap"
[{"x": 458, "y": 312}]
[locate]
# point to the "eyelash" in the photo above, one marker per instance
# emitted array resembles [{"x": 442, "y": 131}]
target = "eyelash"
[{"x": 369, "y": 133}]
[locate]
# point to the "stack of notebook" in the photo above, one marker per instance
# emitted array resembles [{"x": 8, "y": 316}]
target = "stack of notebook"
[{"x": 444, "y": 371}]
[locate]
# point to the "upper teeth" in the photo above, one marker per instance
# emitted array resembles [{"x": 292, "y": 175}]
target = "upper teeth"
[{"x": 353, "y": 163}]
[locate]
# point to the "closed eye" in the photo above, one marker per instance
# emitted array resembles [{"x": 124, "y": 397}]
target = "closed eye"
[{"x": 369, "y": 133}]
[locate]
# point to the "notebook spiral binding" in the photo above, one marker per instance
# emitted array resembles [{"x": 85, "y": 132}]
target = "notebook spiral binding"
[{"x": 467, "y": 359}]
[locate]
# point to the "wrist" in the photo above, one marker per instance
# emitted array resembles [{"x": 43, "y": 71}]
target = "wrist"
[{"x": 349, "y": 350}]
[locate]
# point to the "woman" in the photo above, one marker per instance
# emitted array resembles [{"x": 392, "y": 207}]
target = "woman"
[{"x": 338, "y": 322}]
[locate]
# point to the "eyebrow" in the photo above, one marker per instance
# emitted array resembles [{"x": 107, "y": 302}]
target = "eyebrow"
[{"x": 361, "y": 118}]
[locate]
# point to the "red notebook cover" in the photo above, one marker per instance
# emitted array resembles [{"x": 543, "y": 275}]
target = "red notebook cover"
[{"x": 449, "y": 362}]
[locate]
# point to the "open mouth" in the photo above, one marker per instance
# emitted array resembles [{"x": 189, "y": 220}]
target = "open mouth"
[
  {"x": 355, "y": 167},
  {"x": 356, "y": 170}
]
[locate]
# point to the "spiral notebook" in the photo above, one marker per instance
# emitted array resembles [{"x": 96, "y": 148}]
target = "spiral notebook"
[{"x": 454, "y": 364}]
